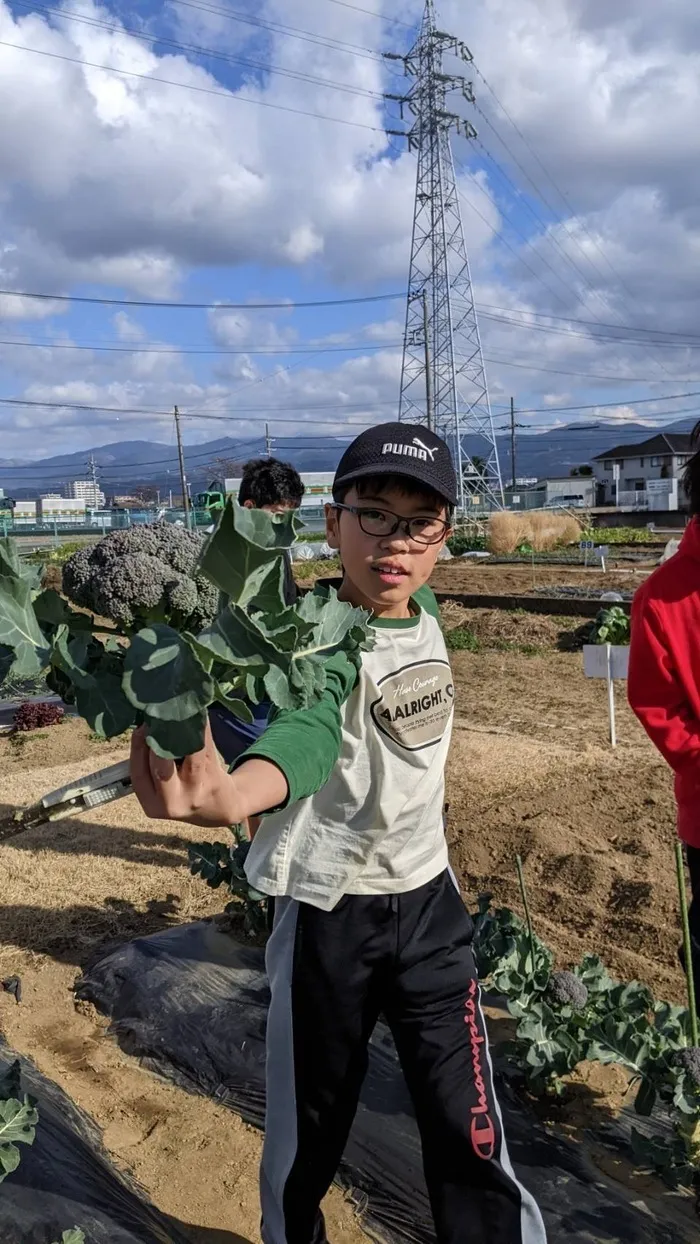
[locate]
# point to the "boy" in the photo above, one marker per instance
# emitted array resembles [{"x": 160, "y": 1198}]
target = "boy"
[
  {"x": 266, "y": 484},
  {"x": 664, "y": 681},
  {"x": 368, "y": 919}
]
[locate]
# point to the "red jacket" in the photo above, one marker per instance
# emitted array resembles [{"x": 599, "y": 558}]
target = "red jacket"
[{"x": 664, "y": 671}]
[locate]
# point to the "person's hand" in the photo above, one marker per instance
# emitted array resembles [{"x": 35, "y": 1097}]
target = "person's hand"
[{"x": 198, "y": 789}]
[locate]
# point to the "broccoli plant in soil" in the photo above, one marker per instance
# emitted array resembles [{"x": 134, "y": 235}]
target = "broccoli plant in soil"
[
  {"x": 569, "y": 1017},
  {"x": 175, "y": 625}
]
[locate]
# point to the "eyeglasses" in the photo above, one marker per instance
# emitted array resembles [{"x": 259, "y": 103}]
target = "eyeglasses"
[{"x": 386, "y": 523}]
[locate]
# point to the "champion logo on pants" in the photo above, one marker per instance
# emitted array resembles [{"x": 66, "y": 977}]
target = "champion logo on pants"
[{"x": 482, "y": 1130}]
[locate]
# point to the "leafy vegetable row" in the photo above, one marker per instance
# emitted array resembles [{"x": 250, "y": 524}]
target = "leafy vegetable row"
[{"x": 566, "y": 1018}]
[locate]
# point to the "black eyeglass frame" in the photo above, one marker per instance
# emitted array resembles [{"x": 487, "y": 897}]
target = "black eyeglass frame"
[{"x": 359, "y": 510}]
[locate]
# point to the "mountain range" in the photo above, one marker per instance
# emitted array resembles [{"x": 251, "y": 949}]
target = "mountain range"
[{"x": 124, "y": 465}]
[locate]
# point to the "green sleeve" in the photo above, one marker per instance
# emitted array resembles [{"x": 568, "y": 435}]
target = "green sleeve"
[
  {"x": 305, "y": 743},
  {"x": 425, "y": 597}
]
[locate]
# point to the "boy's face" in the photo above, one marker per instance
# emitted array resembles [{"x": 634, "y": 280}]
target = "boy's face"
[{"x": 382, "y": 572}]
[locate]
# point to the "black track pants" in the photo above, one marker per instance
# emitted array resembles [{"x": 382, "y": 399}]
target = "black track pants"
[{"x": 332, "y": 973}]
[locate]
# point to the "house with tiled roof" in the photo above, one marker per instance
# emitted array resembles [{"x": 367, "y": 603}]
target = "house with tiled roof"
[{"x": 645, "y": 473}]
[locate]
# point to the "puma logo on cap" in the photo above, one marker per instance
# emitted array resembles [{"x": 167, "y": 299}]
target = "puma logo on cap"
[{"x": 415, "y": 450}]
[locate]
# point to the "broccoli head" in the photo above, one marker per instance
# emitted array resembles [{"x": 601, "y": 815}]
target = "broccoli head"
[
  {"x": 567, "y": 989},
  {"x": 143, "y": 574},
  {"x": 689, "y": 1061}
]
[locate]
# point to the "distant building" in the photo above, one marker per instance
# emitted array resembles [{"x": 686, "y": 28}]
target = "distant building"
[
  {"x": 63, "y": 510},
  {"x": 126, "y": 502},
  {"x": 89, "y": 492},
  {"x": 566, "y": 491},
  {"x": 644, "y": 475}
]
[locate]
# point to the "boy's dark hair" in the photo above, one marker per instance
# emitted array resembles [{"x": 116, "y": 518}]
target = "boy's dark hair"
[
  {"x": 691, "y": 474},
  {"x": 267, "y": 481},
  {"x": 372, "y": 485}
]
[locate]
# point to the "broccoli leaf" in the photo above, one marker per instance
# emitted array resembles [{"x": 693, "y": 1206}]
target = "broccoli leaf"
[
  {"x": 333, "y": 621},
  {"x": 163, "y": 677},
  {"x": 96, "y": 678},
  {"x": 53, "y": 611},
  {"x": 233, "y": 703},
  {"x": 9, "y": 558},
  {"x": 74, "y": 1236},
  {"x": 18, "y": 1120},
  {"x": 211, "y": 861},
  {"x": 622, "y": 1041},
  {"x": 264, "y": 589},
  {"x": 175, "y": 739},
  {"x": 19, "y": 629},
  {"x": 241, "y": 544},
  {"x": 235, "y": 639}
]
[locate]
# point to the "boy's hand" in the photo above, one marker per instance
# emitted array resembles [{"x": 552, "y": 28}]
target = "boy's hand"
[{"x": 198, "y": 789}]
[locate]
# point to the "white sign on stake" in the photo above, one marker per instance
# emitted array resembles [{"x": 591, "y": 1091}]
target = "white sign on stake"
[
  {"x": 601, "y": 552},
  {"x": 608, "y": 661}
]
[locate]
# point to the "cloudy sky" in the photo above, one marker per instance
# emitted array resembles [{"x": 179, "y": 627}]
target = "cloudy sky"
[{"x": 207, "y": 152}]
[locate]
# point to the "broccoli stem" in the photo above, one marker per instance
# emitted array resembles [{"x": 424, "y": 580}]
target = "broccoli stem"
[
  {"x": 690, "y": 984},
  {"x": 523, "y": 895}
]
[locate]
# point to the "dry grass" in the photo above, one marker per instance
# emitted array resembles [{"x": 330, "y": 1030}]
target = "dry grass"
[
  {"x": 108, "y": 875},
  {"x": 540, "y": 529}
]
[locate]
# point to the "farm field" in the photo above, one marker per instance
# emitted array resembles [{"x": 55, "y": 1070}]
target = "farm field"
[
  {"x": 480, "y": 577},
  {"x": 530, "y": 772}
]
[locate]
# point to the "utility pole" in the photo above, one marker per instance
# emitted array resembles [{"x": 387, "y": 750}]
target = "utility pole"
[
  {"x": 439, "y": 266},
  {"x": 183, "y": 477},
  {"x": 512, "y": 440},
  {"x": 268, "y": 441},
  {"x": 429, "y": 414}
]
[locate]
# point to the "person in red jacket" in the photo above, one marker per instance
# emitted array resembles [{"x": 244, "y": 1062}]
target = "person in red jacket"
[{"x": 664, "y": 681}]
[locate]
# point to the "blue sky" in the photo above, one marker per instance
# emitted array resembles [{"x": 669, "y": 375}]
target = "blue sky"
[{"x": 579, "y": 201}]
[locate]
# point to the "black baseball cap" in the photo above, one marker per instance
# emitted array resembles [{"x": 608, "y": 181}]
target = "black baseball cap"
[{"x": 400, "y": 449}]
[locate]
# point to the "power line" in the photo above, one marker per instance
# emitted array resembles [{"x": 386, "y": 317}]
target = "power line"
[
  {"x": 262, "y": 350},
  {"x": 564, "y": 224},
  {"x": 197, "y": 50},
  {"x": 189, "y": 86},
  {"x": 142, "y": 410},
  {"x": 557, "y": 188},
  {"x": 660, "y": 332},
  {"x": 343, "y": 4},
  {"x": 294, "y": 32},
  {"x": 274, "y": 351},
  {"x": 603, "y": 337},
  {"x": 290, "y": 305},
  {"x": 501, "y": 237},
  {"x": 641, "y": 401},
  {"x": 588, "y": 375}
]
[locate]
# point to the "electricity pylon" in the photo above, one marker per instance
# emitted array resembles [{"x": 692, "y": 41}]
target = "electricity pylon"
[{"x": 443, "y": 380}]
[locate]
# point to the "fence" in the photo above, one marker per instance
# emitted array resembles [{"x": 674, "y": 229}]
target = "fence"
[{"x": 633, "y": 500}]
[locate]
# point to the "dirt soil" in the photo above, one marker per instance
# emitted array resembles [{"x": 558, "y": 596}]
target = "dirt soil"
[
  {"x": 504, "y": 629},
  {"x": 530, "y": 772},
  {"x": 478, "y": 577}
]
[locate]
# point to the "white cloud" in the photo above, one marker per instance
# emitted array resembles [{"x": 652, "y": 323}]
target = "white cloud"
[{"x": 135, "y": 184}]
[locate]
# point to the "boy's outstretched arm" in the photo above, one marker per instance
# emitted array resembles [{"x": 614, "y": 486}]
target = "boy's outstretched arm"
[
  {"x": 656, "y": 694},
  {"x": 293, "y": 759}
]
